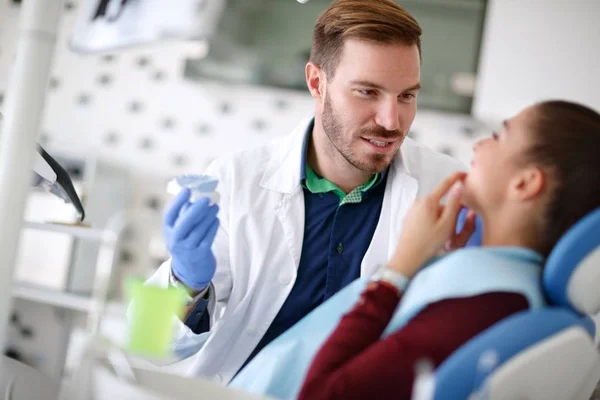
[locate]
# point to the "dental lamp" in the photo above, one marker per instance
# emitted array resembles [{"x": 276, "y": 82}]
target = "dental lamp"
[
  {"x": 112, "y": 25},
  {"x": 52, "y": 177}
]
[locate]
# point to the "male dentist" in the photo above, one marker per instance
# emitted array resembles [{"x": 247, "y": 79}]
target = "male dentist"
[{"x": 303, "y": 216}]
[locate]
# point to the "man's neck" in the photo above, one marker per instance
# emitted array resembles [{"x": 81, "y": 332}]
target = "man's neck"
[{"x": 327, "y": 162}]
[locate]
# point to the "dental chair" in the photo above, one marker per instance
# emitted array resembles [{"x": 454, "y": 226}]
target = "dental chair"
[{"x": 546, "y": 354}]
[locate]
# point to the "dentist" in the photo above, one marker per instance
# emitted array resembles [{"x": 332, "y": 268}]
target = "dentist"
[{"x": 305, "y": 215}]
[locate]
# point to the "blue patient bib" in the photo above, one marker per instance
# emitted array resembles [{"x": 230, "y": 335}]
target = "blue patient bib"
[{"x": 279, "y": 369}]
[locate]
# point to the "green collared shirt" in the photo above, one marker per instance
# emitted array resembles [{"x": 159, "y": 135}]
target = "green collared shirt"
[{"x": 316, "y": 184}]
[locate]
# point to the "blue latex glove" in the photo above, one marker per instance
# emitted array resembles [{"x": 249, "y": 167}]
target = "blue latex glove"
[{"x": 190, "y": 229}]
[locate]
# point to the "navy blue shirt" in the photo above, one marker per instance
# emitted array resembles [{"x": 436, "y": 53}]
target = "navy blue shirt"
[{"x": 336, "y": 238}]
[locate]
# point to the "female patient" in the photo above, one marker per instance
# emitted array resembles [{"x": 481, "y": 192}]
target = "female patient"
[{"x": 529, "y": 183}]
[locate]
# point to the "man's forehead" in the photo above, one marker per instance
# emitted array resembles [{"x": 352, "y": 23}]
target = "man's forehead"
[
  {"x": 394, "y": 68},
  {"x": 352, "y": 47},
  {"x": 370, "y": 59}
]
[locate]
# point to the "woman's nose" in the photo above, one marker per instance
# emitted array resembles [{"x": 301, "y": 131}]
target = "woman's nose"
[{"x": 477, "y": 144}]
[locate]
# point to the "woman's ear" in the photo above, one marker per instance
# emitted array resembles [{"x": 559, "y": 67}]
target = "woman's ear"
[
  {"x": 315, "y": 80},
  {"x": 528, "y": 184}
]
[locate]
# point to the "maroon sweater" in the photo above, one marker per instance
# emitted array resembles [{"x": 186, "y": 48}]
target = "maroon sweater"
[{"x": 355, "y": 363}]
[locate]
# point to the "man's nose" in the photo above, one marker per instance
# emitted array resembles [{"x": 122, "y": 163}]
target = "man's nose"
[{"x": 387, "y": 115}]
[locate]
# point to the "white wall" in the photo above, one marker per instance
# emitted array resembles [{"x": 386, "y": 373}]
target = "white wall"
[{"x": 534, "y": 50}]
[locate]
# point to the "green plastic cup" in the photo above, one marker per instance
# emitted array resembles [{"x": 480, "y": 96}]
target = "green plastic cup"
[{"x": 151, "y": 318}]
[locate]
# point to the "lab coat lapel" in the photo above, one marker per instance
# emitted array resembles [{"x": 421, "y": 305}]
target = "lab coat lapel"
[
  {"x": 290, "y": 212},
  {"x": 282, "y": 174},
  {"x": 400, "y": 192}
]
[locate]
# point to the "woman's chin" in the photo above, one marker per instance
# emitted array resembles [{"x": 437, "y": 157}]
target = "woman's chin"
[{"x": 468, "y": 200}]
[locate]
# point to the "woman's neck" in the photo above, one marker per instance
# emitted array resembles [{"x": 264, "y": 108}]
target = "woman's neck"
[{"x": 510, "y": 230}]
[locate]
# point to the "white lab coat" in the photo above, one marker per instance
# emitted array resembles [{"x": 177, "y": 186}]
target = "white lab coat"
[{"x": 259, "y": 244}]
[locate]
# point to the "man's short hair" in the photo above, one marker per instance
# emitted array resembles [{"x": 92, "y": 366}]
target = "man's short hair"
[{"x": 376, "y": 21}]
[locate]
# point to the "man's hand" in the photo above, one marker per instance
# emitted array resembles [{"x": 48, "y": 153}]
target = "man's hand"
[{"x": 190, "y": 229}]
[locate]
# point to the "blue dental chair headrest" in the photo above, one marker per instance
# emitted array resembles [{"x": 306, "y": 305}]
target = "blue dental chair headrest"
[
  {"x": 572, "y": 271},
  {"x": 549, "y": 353}
]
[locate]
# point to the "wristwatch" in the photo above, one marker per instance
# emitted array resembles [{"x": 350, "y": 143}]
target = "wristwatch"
[{"x": 386, "y": 274}]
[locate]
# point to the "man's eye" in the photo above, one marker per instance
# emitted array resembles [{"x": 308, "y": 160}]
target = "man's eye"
[{"x": 367, "y": 92}]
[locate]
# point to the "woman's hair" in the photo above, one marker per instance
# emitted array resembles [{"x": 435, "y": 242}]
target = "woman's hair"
[
  {"x": 566, "y": 142},
  {"x": 376, "y": 21}
]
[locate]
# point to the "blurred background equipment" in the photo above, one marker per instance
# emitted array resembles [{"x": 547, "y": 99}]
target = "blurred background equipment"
[
  {"x": 51, "y": 176},
  {"x": 267, "y": 43}
]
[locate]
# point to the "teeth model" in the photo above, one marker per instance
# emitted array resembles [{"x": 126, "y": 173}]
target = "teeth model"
[{"x": 200, "y": 185}]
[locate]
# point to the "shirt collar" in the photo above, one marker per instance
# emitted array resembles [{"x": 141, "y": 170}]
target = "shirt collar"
[{"x": 307, "y": 134}]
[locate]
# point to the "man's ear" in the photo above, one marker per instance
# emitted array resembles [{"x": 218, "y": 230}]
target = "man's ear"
[
  {"x": 528, "y": 184},
  {"x": 315, "y": 80}
]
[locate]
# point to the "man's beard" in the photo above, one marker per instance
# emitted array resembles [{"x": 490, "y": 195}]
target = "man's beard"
[{"x": 335, "y": 132}]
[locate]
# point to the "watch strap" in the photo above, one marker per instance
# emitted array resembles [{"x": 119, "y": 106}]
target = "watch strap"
[{"x": 395, "y": 278}]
